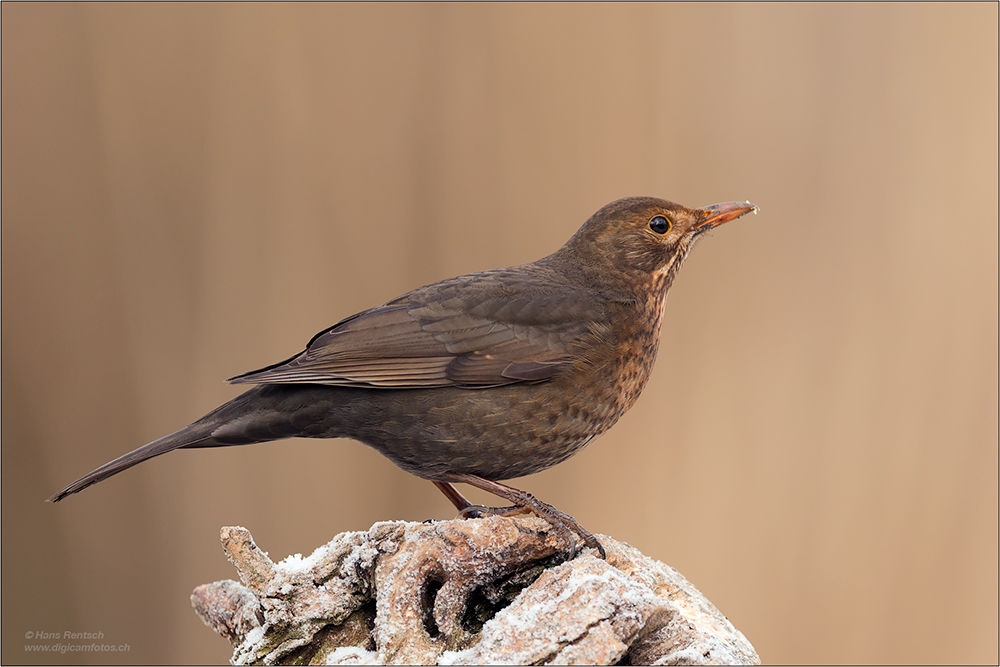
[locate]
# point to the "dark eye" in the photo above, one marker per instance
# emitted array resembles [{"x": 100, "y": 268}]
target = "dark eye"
[{"x": 660, "y": 225}]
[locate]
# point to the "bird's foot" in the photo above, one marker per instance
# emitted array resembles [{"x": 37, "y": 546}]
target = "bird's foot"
[
  {"x": 481, "y": 511},
  {"x": 562, "y": 523}
]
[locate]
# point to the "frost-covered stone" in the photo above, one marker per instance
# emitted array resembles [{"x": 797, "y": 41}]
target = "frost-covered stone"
[{"x": 494, "y": 590}]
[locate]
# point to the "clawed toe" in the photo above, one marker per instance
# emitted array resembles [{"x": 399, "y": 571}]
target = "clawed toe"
[
  {"x": 481, "y": 511},
  {"x": 524, "y": 502}
]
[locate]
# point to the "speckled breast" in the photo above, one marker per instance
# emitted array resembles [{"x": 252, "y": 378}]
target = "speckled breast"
[{"x": 507, "y": 432}]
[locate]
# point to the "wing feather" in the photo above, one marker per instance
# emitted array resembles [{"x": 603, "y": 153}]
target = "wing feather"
[{"x": 477, "y": 331}]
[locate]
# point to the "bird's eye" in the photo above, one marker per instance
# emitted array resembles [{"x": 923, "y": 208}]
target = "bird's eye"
[{"x": 660, "y": 225}]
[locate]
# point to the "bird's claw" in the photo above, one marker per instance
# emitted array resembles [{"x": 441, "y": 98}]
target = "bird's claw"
[
  {"x": 564, "y": 524},
  {"x": 481, "y": 511}
]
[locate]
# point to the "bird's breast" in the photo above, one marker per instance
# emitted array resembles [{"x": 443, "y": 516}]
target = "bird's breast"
[{"x": 612, "y": 371}]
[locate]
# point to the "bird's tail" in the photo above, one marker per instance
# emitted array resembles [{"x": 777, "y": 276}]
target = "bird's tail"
[
  {"x": 187, "y": 436},
  {"x": 212, "y": 430},
  {"x": 262, "y": 414}
]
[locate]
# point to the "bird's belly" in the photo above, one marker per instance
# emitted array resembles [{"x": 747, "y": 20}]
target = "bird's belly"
[{"x": 497, "y": 433}]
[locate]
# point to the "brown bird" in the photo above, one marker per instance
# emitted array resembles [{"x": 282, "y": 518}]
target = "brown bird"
[{"x": 484, "y": 377}]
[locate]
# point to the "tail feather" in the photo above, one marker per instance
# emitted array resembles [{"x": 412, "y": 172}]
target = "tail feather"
[
  {"x": 187, "y": 436},
  {"x": 261, "y": 414}
]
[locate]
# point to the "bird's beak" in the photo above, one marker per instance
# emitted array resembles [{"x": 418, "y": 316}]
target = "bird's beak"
[{"x": 718, "y": 214}]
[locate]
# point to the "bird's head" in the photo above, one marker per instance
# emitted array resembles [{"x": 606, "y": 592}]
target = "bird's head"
[{"x": 642, "y": 238}]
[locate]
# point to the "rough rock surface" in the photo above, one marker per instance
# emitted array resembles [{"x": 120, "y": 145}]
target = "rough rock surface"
[{"x": 494, "y": 590}]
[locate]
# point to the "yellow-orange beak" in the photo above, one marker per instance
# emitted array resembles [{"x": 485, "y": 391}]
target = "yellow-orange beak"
[{"x": 718, "y": 214}]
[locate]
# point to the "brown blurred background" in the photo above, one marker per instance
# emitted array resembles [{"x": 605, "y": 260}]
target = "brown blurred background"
[{"x": 192, "y": 191}]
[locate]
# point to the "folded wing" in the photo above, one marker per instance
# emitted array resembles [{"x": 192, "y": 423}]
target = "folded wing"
[{"x": 485, "y": 331}]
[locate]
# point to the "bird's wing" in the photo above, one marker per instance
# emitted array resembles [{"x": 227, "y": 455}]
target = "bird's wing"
[{"x": 480, "y": 331}]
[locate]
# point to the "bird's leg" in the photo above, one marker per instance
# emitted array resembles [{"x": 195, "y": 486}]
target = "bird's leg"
[
  {"x": 460, "y": 502},
  {"x": 563, "y": 523},
  {"x": 467, "y": 510}
]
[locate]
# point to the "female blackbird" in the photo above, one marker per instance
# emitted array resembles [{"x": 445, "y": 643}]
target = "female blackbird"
[{"x": 484, "y": 377}]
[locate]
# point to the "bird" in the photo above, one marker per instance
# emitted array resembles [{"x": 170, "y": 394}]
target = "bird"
[{"x": 482, "y": 378}]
